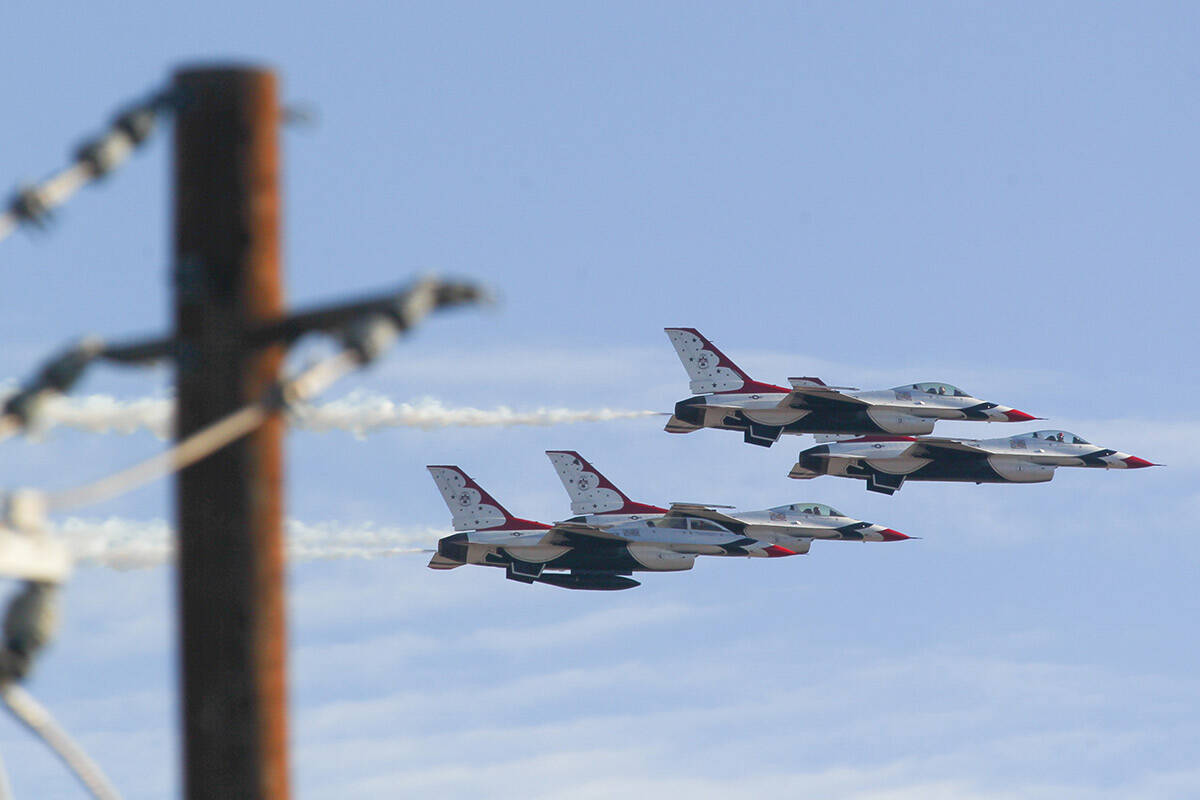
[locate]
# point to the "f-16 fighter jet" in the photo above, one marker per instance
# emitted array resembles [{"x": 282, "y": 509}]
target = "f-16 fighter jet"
[
  {"x": 886, "y": 462},
  {"x": 729, "y": 399},
  {"x": 794, "y": 526},
  {"x": 602, "y": 556}
]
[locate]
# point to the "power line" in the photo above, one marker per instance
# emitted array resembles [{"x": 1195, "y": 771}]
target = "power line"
[
  {"x": 29, "y": 624},
  {"x": 209, "y": 439},
  {"x": 92, "y": 160},
  {"x": 365, "y": 327},
  {"x": 231, "y": 330},
  {"x": 38, "y": 719}
]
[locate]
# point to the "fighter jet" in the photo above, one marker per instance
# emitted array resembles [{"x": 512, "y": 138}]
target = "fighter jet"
[
  {"x": 886, "y": 462},
  {"x": 602, "y": 504},
  {"x": 728, "y": 398},
  {"x": 601, "y": 556}
]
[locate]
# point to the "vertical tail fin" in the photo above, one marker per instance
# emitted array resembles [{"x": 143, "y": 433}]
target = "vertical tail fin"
[
  {"x": 472, "y": 508},
  {"x": 591, "y": 492},
  {"x": 711, "y": 370}
]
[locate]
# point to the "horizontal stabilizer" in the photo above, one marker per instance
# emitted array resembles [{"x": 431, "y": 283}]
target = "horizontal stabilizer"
[
  {"x": 676, "y": 425},
  {"x": 441, "y": 562}
]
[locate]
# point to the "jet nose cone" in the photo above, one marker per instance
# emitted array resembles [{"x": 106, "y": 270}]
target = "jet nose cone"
[
  {"x": 1133, "y": 462},
  {"x": 889, "y": 535},
  {"x": 1019, "y": 416},
  {"x": 775, "y": 551}
]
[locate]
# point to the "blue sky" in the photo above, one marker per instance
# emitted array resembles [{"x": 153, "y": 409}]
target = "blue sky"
[{"x": 1001, "y": 197}]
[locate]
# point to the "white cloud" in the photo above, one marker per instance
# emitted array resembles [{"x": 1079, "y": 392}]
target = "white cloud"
[
  {"x": 460, "y": 684},
  {"x": 758, "y": 740}
]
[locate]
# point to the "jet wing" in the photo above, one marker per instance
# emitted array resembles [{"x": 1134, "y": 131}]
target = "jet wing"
[
  {"x": 697, "y": 511},
  {"x": 809, "y": 392},
  {"x": 935, "y": 448},
  {"x": 576, "y": 534}
]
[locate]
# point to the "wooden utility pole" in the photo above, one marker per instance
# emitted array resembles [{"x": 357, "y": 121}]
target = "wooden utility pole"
[{"x": 231, "y": 561}]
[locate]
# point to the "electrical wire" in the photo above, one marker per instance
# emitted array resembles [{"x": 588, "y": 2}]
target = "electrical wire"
[
  {"x": 212, "y": 438},
  {"x": 30, "y": 617},
  {"x": 94, "y": 159},
  {"x": 39, "y": 720},
  {"x": 366, "y": 327},
  {"x": 365, "y": 331},
  {"x": 5, "y": 787},
  {"x": 56, "y": 376}
]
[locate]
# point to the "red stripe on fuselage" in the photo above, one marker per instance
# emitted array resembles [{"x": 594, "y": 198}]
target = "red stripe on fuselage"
[
  {"x": 636, "y": 508},
  {"x": 756, "y": 387},
  {"x": 518, "y": 524}
]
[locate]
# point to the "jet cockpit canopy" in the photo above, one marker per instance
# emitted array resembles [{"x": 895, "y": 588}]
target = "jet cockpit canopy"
[
  {"x": 1054, "y": 436},
  {"x": 816, "y": 509},
  {"x": 930, "y": 387}
]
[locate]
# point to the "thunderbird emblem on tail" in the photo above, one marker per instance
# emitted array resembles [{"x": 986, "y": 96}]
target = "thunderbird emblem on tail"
[
  {"x": 729, "y": 399},
  {"x": 614, "y": 537}
]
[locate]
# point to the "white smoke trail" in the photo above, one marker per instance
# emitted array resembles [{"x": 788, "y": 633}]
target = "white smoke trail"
[
  {"x": 137, "y": 544},
  {"x": 362, "y": 413},
  {"x": 358, "y": 413},
  {"x": 100, "y": 413}
]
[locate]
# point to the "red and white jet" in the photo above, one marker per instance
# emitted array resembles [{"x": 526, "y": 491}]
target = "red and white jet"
[
  {"x": 615, "y": 537},
  {"x": 792, "y": 527},
  {"x": 729, "y": 399},
  {"x": 886, "y": 462}
]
